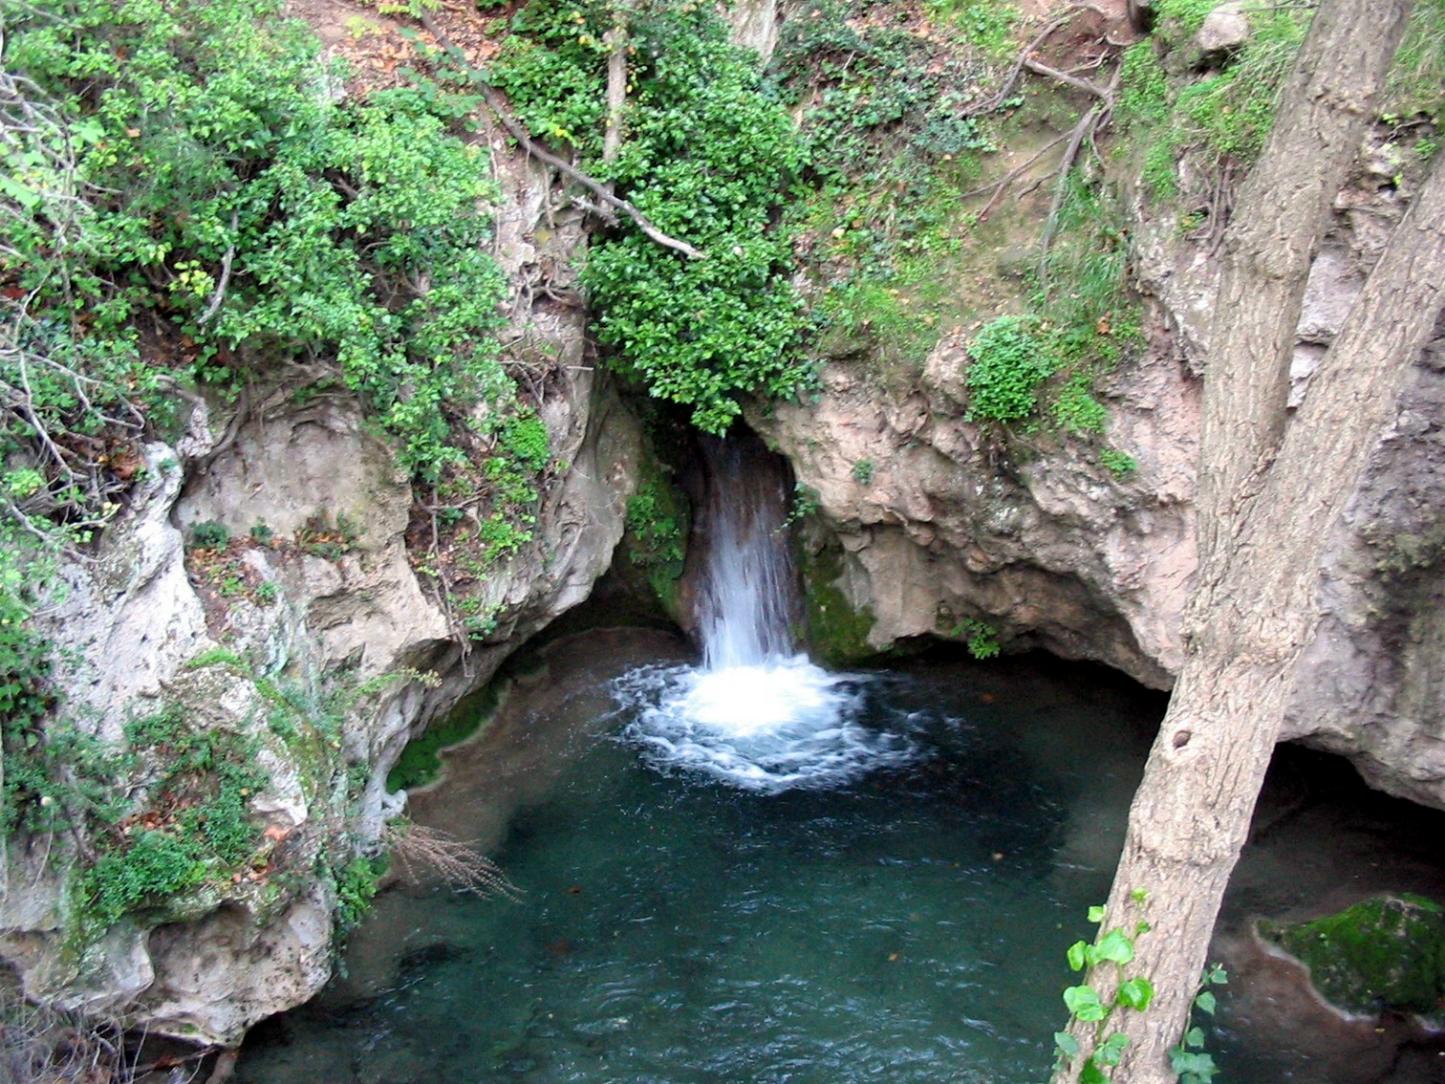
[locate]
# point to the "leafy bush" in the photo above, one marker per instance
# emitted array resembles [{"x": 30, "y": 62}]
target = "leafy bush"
[
  {"x": 708, "y": 157},
  {"x": 228, "y": 194},
  {"x": 210, "y": 535},
  {"x": 1009, "y": 363}
]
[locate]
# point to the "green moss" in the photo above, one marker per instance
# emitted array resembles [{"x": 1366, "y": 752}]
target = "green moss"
[
  {"x": 837, "y": 633},
  {"x": 420, "y": 762},
  {"x": 1387, "y": 952},
  {"x": 658, "y": 521}
]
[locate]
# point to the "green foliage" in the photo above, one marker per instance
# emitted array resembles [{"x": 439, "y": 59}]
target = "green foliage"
[
  {"x": 1226, "y": 113},
  {"x": 193, "y": 827},
  {"x": 1189, "y": 1058},
  {"x": 882, "y": 106},
  {"x": 1114, "y": 949},
  {"x": 1010, "y": 361},
  {"x": 863, "y": 471},
  {"x": 1076, "y": 410},
  {"x": 524, "y": 439},
  {"x": 985, "y": 24},
  {"x": 1120, "y": 464},
  {"x": 210, "y": 535},
  {"x": 657, "y": 523},
  {"x": 229, "y": 196},
  {"x": 1416, "y": 86},
  {"x": 356, "y": 884},
  {"x": 708, "y": 157}
]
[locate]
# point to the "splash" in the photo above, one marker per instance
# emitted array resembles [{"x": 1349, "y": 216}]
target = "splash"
[{"x": 756, "y": 714}]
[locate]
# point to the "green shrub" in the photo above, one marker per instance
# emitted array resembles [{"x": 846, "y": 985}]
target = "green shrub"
[
  {"x": 1120, "y": 464},
  {"x": 708, "y": 157},
  {"x": 233, "y": 200},
  {"x": 210, "y": 535},
  {"x": 1009, "y": 363},
  {"x": 1077, "y": 411}
]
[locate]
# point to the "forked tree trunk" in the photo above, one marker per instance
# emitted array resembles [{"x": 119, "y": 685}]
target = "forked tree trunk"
[{"x": 1269, "y": 495}]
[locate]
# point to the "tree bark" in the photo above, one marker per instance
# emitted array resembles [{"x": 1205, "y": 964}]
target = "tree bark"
[
  {"x": 1273, "y": 493},
  {"x": 616, "y": 41}
]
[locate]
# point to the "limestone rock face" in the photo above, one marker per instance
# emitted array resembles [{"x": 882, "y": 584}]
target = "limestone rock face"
[
  {"x": 1032, "y": 535},
  {"x": 143, "y": 630}
]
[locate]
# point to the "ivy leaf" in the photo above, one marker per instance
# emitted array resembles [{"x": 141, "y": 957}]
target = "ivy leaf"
[
  {"x": 1116, "y": 947},
  {"x": 1096, "y": 913},
  {"x": 1111, "y": 1049},
  {"x": 1206, "y": 1002},
  {"x": 1092, "y": 1074},
  {"x": 1076, "y": 955},
  {"x": 1136, "y": 994},
  {"x": 1066, "y": 1044},
  {"x": 1083, "y": 1002}
]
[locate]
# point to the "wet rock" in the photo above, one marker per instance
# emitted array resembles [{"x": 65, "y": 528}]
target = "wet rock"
[{"x": 1385, "y": 953}]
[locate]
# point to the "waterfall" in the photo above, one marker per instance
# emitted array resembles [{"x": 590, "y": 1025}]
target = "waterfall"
[
  {"x": 746, "y": 601},
  {"x": 756, "y": 714}
]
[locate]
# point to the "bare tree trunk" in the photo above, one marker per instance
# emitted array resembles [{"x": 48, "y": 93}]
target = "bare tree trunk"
[
  {"x": 616, "y": 41},
  {"x": 1272, "y": 495}
]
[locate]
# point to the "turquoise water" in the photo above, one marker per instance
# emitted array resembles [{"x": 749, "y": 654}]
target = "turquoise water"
[{"x": 907, "y": 924}]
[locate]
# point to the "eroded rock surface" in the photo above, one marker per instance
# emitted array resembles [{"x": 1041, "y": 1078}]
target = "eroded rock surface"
[
  {"x": 948, "y": 521},
  {"x": 145, "y": 632}
]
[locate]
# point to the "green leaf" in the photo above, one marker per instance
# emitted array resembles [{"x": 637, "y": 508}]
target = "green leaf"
[
  {"x": 1075, "y": 955},
  {"x": 1096, "y": 914},
  {"x": 1111, "y": 1049},
  {"x": 1136, "y": 993},
  {"x": 1066, "y": 1044},
  {"x": 1194, "y": 1038},
  {"x": 1116, "y": 947},
  {"x": 1083, "y": 1002},
  {"x": 1205, "y": 1001},
  {"x": 1092, "y": 1074}
]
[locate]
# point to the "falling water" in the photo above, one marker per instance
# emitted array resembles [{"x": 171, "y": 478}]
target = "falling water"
[
  {"x": 747, "y": 593},
  {"x": 757, "y": 714}
]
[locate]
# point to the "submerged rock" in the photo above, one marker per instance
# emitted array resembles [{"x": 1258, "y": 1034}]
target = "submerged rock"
[{"x": 1385, "y": 953}]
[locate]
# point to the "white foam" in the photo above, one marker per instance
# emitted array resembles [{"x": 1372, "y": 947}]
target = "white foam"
[{"x": 771, "y": 726}]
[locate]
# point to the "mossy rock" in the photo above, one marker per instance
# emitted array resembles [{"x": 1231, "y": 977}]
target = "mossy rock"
[
  {"x": 1387, "y": 952},
  {"x": 837, "y": 633}
]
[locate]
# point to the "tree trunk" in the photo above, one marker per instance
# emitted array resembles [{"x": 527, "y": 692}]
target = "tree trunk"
[
  {"x": 616, "y": 41},
  {"x": 1272, "y": 496}
]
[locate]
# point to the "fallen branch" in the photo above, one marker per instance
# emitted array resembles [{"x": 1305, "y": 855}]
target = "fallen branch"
[
  {"x": 1039, "y": 68},
  {"x": 220, "y": 293},
  {"x": 518, "y": 131}
]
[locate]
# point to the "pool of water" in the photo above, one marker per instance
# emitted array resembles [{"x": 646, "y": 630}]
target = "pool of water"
[{"x": 903, "y": 920}]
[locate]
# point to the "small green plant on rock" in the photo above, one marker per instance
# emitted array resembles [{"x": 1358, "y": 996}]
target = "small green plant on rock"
[
  {"x": 863, "y": 471},
  {"x": 210, "y": 535},
  {"x": 1009, "y": 364}
]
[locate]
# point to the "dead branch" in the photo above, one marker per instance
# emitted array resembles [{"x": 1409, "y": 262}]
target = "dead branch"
[
  {"x": 220, "y": 294},
  {"x": 423, "y": 850},
  {"x": 1039, "y": 68},
  {"x": 519, "y": 132}
]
